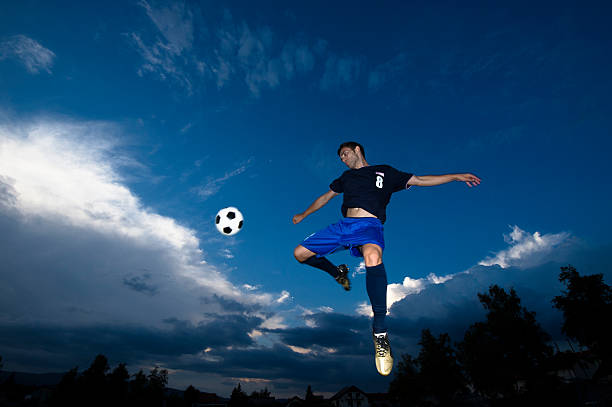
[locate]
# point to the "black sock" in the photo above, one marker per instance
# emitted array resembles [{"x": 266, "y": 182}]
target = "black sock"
[
  {"x": 376, "y": 285},
  {"x": 322, "y": 264}
]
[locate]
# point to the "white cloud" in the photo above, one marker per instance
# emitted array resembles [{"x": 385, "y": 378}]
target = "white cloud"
[
  {"x": 274, "y": 322},
  {"x": 255, "y": 334},
  {"x": 213, "y": 185},
  {"x": 526, "y": 250},
  {"x": 54, "y": 174},
  {"x": 397, "y": 292},
  {"x": 363, "y": 308},
  {"x": 227, "y": 253},
  {"x": 82, "y": 234},
  {"x": 250, "y": 52},
  {"x": 29, "y": 52},
  {"x": 165, "y": 56},
  {"x": 301, "y": 351},
  {"x": 159, "y": 60},
  {"x": 310, "y": 323},
  {"x": 239, "y": 51},
  {"x": 175, "y": 23},
  {"x": 285, "y": 295},
  {"x": 361, "y": 269}
]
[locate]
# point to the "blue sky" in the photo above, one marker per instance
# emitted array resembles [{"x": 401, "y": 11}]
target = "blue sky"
[{"x": 125, "y": 127}]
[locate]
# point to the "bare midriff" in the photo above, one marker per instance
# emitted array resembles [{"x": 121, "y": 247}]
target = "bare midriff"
[{"x": 358, "y": 213}]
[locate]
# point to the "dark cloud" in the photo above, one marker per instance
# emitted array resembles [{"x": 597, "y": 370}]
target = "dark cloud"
[
  {"x": 326, "y": 372},
  {"x": 7, "y": 193},
  {"x": 129, "y": 344},
  {"x": 229, "y": 305},
  {"x": 231, "y": 352},
  {"x": 47, "y": 274},
  {"x": 347, "y": 335},
  {"x": 221, "y": 331},
  {"x": 141, "y": 283}
]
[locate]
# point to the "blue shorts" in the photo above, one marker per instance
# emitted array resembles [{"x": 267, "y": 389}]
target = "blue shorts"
[{"x": 349, "y": 233}]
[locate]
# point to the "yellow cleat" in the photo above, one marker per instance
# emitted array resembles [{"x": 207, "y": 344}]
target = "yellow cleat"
[{"x": 382, "y": 354}]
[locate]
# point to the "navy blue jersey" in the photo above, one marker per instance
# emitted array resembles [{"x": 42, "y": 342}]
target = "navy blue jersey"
[{"x": 370, "y": 188}]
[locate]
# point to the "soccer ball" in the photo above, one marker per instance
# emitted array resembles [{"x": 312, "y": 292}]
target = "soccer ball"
[{"x": 229, "y": 221}]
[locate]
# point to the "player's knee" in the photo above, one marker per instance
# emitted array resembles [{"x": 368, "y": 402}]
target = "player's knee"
[
  {"x": 372, "y": 259},
  {"x": 299, "y": 254}
]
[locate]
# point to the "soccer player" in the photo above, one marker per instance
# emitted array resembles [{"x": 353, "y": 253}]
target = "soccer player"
[{"x": 367, "y": 190}]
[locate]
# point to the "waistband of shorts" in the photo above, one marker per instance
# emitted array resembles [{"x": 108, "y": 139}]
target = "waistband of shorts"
[{"x": 365, "y": 220}]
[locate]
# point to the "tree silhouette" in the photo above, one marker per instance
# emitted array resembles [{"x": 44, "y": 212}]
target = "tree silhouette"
[
  {"x": 405, "y": 386},
  {"x": 238, "y": 397},
  {"x": 66, "y": 391},
  {"x": 97, "y": 387},
  {"x": 93, "y": 383},
  {"x": 433, "y": 375},
  {"x": 98, "y": 369},
  {"x": 158, "y": 379},
  {"x": 507, "y": 355},
  {"x": 440, "y": 374},
  {"x": 261, "y": 394},
  {"x": 119, "y": 385},
  {"x": 586, "y": 303},
  {"x": 138, "y": 389}
]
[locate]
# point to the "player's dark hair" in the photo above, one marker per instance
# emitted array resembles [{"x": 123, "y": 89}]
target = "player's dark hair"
[{"x": 352, "y": 145}]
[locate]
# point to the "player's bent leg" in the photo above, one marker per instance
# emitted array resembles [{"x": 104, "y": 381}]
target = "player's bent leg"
[
  {"x": 301, "y": 253},
  {"x": 339, "y": 273},
  {"x": 376, "y": 285}
]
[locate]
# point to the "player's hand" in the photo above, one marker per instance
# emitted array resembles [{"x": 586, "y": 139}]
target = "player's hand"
[
  {"x": 298, "y": 218},
  {"x": 470, "y": 179}
]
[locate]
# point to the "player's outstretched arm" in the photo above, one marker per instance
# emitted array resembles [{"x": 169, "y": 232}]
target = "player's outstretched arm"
[
  {"x": 316, "y": 205},
  {"x": 430, "y": 180}
]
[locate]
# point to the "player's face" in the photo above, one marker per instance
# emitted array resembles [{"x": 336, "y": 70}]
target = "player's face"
[{"x": 349, "y": 157}]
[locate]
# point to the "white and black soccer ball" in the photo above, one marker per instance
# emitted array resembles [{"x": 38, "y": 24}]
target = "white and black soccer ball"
[{"x": 229, "y": 221}]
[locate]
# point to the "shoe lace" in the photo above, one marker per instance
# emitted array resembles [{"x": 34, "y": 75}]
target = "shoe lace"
[{"x": 382, "y": 346}]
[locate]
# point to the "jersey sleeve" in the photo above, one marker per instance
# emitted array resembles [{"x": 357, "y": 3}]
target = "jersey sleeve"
[
  {"x": 399, "y": 179},
  {"x": 337, "y": 185}
]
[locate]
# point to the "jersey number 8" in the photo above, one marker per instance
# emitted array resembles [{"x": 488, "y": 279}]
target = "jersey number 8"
[{"x": 379, "y": 181}]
